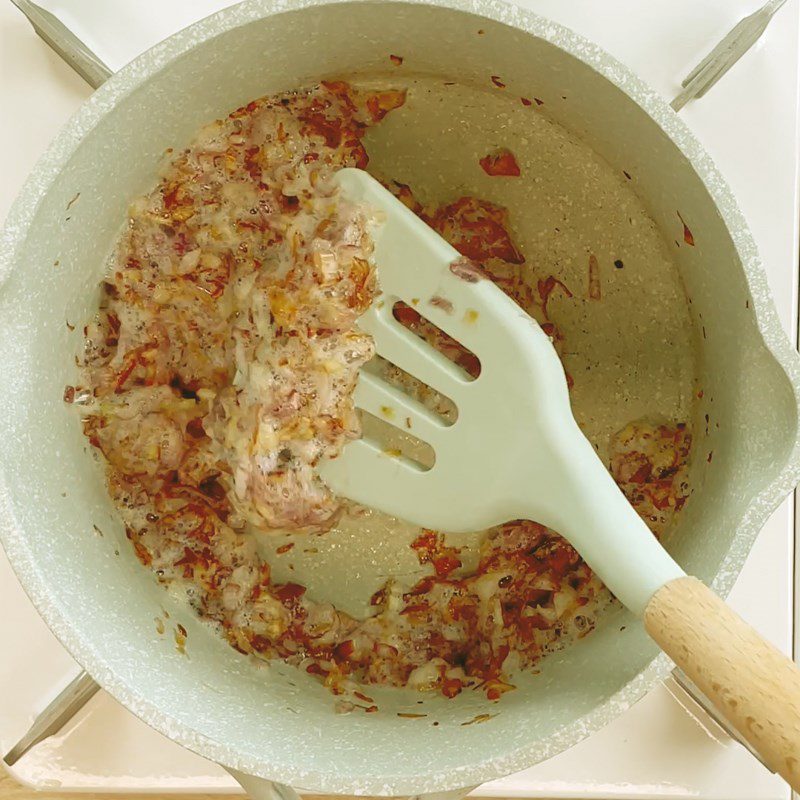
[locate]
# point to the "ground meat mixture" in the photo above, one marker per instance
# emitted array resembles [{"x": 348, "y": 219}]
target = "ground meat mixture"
[{"x": 220, "y": 369}]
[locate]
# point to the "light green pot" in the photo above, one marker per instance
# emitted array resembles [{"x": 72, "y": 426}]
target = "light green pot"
[{"x": 275, "y": 722}]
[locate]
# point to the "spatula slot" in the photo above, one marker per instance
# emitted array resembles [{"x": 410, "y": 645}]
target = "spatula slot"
[
  {"x": 395, "y": 407},
  {"x": 393, "y": 442},
  {"x": 436, "y": 402},
  {"x": 413, "y": 319}
]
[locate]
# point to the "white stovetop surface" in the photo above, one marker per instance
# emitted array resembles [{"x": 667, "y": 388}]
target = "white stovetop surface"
[{"x": 749, "y": 123}]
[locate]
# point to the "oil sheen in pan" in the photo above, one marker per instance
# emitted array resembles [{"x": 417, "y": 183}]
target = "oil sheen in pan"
[{"x": 630, "y": 352}]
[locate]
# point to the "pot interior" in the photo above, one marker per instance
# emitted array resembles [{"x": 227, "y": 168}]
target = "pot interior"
[{"x": 674, "y": 337}]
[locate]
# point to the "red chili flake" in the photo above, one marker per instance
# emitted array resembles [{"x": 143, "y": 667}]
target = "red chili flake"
[
  {"x": 421, "y": 587},
  {"x": 546, "y": 287},
  {"x": 477, "y": 229},
  {"x": 526, "y": 102},
  {"x": 342, "y": 90},
  {"x": 500, "y": 163},
  {"x": 194, "y": 428},
  {"x": 189, "y": 561},
  {"x": 431, "y": 549},
  {"x": 497, "y": 82},
  {"x": 558, "y": 558},
  {"x": 594, "y": 277},
  {"x": 710, "y": 456},
  {"x": 533, "y": 622},
  {"x": 289, "y": 593},
  {"x": 344, "y": 650},
  {"x": 330, "y": 130},
  {"x": 285, "y": 548},
  {"x": 661, "y": 502},
  {"x": 357, "y": 154},
  {"x": 396, "y": 60},
  {"x": 444, "y": 565},
  {"x": 416, "y": 608},
  {"x": 260, "y": 643},
  {"x": 451, "y": 687},
  {"x": 642, "y": 474},
  {"x": 700, "y": 394},
  {"x": 251, "y": 162},
  {"x": 288, "y": 204},
  {"x": 462, "y": 608},
  {"x": 687, "y": 234},
  {"x": 364, "y": 697},
  {"x": 181, "y": 244},
  {"x": 316, "y": 669},
  {"x": 113, "y": 321},
  {"x": 538, "y": 101},
  {"x": 379, "y": 598},
  {"x": 426, "y": 545},
  {"x": 142, "y": 553},
  {"x": 125, "y": 373},
  {"x": 370, "y": 709},
  {"x": 380, "y": 104},
  {"x": 171, "y": 197}
]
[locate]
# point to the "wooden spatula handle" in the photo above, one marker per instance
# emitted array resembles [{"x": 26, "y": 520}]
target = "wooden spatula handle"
[{"x": 753, "y": 685}]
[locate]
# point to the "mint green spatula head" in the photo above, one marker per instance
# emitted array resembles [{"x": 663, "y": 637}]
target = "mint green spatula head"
[{"x": 515, "y": 450}]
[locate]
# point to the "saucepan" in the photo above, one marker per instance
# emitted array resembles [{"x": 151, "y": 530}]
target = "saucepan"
[{"x": 717, "y": 354}]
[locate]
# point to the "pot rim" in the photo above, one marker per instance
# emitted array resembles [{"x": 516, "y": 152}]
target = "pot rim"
[{"x": 126, "y": 81}]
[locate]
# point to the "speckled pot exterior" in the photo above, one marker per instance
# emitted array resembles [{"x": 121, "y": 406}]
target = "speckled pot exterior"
[{"x": 78, "y": 592}]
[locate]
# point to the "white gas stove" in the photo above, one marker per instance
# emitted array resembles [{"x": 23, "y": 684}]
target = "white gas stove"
[{"x": 665, "y": 746}]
